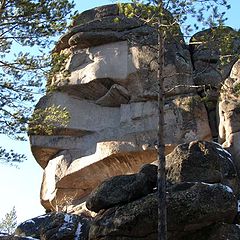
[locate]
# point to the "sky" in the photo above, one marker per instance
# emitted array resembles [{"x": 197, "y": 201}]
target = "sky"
[{"x": 21, "y": 187}]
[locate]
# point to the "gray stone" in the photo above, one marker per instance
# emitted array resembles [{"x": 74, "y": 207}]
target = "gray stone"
[
  {"x": 197, "y": 206},
  {"x": 96, "y": 13},
  {"x": 12, "y": 237},
  {"x": 108, "y": 141},
  {"x": 32, "y": 227},
  {"x": 123, "y": 189},
  {"x": 106, "y": 26},
  {"x": 200, "y": 161},
  {"x": 55, "y": 226}
]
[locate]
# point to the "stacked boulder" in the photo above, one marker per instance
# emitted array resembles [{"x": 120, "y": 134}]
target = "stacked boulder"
[{"x": 202, "y": 192}]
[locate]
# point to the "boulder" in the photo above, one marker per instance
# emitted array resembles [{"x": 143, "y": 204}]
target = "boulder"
[
  {"x": 85, "y": 32},
  {"x": 201, "y": 161},
  {"x": 136, "y": 123},
  {"x": 55, "y": 226},
  {"x": 101, "y": 52},
  {"x": 72, "y": 189},
  {"x": 32, "y": 227},
  {"x": 123, "y": 189},
  {"x": 190, "y": 207},
  {"x": 105, "y": 24}
]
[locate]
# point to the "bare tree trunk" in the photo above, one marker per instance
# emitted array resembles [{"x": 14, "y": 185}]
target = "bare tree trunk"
[{"x": 162, "y": 212}]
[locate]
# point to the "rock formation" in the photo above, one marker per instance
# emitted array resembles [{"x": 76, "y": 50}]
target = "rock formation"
[
  {"x": 108, "y": 85},
  {"x": 110, "y": 92},
  {"x": 189, "y": 209},
  {"x": 198, "y": 197}
]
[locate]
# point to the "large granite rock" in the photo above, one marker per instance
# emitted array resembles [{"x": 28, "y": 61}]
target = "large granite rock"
[
  {"x": 108, "y": 85},
  {"x": 190, "y": 207},
  {"x": 95, "y": 70},
  {"x": 136, "y": 123},
  {"x": 32, "y": 227},
  {"x": 102, "y": 52},
  {"x": 200, "y": 161},
  {"x": 101, "y": 140},
  {"x": 123, "y": 189},
  {"x": 213, "y": 53}
]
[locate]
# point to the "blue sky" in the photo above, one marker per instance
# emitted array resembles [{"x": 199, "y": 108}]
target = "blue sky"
[{"x": 21, "y": 187}]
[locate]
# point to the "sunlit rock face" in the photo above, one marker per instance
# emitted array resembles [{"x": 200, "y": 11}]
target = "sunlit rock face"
[
  {"x": 110, "y": 91},
  {"x": 229, "y": 114}
]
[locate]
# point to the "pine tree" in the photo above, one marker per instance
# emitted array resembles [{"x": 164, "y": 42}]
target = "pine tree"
[
  {"x": 27, "y": 29},
  {"x": 9, "y": 223}
]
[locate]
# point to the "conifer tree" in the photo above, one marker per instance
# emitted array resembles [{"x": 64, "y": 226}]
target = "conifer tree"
[
  {"x": 27, "y": 28},
  {"x": 9, "y": 223}
]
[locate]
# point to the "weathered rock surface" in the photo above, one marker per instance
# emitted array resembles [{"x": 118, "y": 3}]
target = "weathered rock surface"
[
  {"x": 123, "y": 189},
  {"x": 103, "y": 139},
  {"x": 191, "y": 206},
  {"x": 97, "y": 68},
  {"x": 55, "y": 226},
  {"x": 33, "y": 226},
  {"x": 202, "y": 162},
  {"x": 108, "y": 84},
  {"x": 110, "y": 94},
  {"x": 135, "y": 123}
]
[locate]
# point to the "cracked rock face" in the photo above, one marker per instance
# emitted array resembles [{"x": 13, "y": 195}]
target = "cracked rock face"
[{"x": 110, "y": 92}]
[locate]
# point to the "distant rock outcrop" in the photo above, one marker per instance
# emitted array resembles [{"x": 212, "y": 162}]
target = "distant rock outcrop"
[{"x": 108, "y": 85}]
